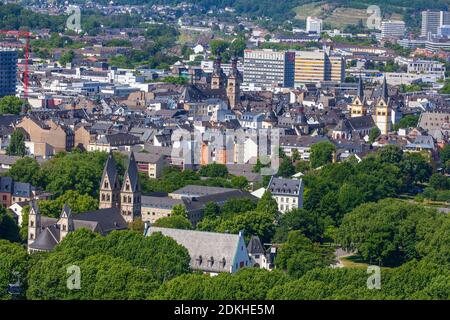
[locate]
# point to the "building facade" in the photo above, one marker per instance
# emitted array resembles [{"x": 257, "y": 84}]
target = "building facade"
[
  {"x": 8, "y": 71},
  {"x": 265, "y": 69},
  {"x": 317, "y": 66}
]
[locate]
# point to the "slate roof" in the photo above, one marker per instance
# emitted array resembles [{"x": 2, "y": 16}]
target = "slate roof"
[
  {"x": 202, "y": 246},
  {"x": 132, "y": 174},
  {"x": 102, "y": 221},
  {"x": 22, "y": 189},
  {"x": 255, "y": 246},
  {"x": 361, "y": 123},
  {"x": 198, "y": 191},
  {"x": 110, "y": 171},
  {"x": 283, "y": 186}
]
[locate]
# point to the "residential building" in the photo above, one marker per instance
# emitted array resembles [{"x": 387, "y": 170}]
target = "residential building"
[
  {"x": 266, "y": 69},
  {"x": 210, "y": 252},
  {"x": 287, "y": 192},
  {"x": 46, "y": 137},
  {"x": 313, "y": 25},
  {"x": 392, "y": 29}
]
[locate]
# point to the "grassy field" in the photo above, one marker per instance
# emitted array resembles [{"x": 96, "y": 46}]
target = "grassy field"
[{"x": 354, "y": 262}]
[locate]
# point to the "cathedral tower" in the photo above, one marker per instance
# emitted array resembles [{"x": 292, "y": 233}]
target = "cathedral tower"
[
  {"x": 109, "y": 186},
  {"x": 130, "y": 204},
  {"x": 217, "y": 75},
  {"x": 383, "y": 110},
  {"x": 358, "y": 107},
  {"x": 233, "y": 92}
]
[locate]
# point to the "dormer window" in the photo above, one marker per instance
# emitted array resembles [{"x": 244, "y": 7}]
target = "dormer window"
[
  {"x": 222, "y": 262},
  {"x": 211, "y": 261},
  {"x": 199, "y": 260}
]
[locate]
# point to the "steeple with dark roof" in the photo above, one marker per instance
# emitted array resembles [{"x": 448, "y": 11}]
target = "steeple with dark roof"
[
  {"x": 360, "y": 92},
  {"x": 130, "y": 195},
  {"x": 384, "y": 90},
  {"x": 109, "y": 185}
]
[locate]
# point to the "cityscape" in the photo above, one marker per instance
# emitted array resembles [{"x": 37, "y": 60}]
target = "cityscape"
[{"x": 224, "y": 150}]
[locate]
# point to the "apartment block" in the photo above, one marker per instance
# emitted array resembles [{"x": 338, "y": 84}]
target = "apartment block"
[
  {"x": 266, "y": 69},
  {"x": 317, "y": 66}
]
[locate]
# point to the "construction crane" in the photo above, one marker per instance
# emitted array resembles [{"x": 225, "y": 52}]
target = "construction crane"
[{"x": 27, "y": 35}]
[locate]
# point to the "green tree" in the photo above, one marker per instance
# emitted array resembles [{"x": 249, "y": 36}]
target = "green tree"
[
  {"x": 218, "y": 47},
  {"x": 11, "y": 105},
  {"x": 175, "y": 222},
  {"x": 321, "y": 153},
  {"x": 374, "y": 134},
  {"x": 211, "y": 209},
  {"x": 286, "y": 168},
  {"x": 13, "y": 268},
  {"x": 16, "y": 145},
  {"x": 9, "y": 230},
  {"x": 387, "y": 232},
  {"x": 26, "y": 170},
  {"x": 298, "y": 255},
  {"x": 214, "y": 170},
  {"x": 179, "y": 210},
  {"x": 267, "y": 203}
]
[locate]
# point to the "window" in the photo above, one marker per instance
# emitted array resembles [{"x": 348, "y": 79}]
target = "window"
[
  {"x": 31, "y": 223},
  {"x": 106, "y": 184}
]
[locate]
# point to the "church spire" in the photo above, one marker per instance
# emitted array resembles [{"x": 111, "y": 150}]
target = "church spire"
[
  {"x": 109, "y": 186},
  {"x": 130, "y": 204},
  {"x": 360, "y": 93},
  {"x": 384, "y": 88}
]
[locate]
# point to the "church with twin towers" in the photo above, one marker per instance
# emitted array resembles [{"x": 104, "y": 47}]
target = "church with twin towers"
[{"x": 119, "y": 205}]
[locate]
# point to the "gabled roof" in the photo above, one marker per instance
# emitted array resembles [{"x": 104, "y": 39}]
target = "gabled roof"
[
  {"x": 255, "y": 246},
  {"x": 109, "y": 171},
  {"x": 202, "y": 246},
  {"x": 363, "y": 122},
  {"x": 283, "y": 186}
]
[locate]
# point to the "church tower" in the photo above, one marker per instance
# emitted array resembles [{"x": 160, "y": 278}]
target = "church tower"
[
  {"x": 65, "y": 222},
  {"x": 383, "y": 110},
  {"x": 34, "y": 222},
  {"x": 109, "y": 186},
  {"x": 217, "y": 75},
  {"x": 358, "y": 107},
  {"x": 233, "y": 92},
  {"x": 130, "y": 204}
]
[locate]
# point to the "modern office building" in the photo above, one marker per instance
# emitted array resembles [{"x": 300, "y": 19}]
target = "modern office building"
[
  {"x": 392, "y": 29},
  {"x": 432, "y": 20},
  {"x": 266, "y": 69},
  {"x": 427, "y": 66},
  {"x": 313, "y": 25},
  {"x": 317, "y": 66},
  {"x": 8, "y": 70}
]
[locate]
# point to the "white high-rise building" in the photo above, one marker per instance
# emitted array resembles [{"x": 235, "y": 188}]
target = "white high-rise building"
[
  {"x": 392, "y": 29},
  {"x": 314, "y": 25},
  {"x": 432, "y": 20}
]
